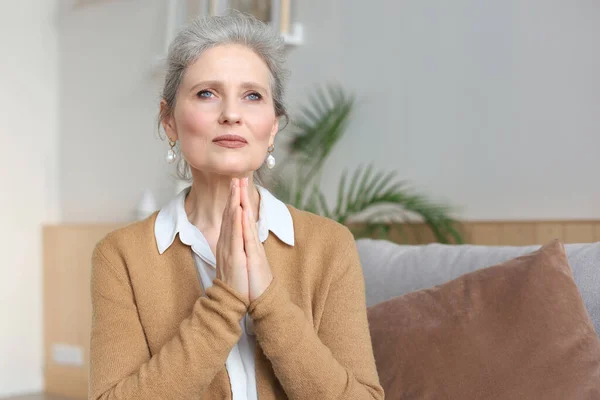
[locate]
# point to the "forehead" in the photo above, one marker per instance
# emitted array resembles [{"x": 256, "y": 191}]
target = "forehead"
[{"x": 231, "y": 64}]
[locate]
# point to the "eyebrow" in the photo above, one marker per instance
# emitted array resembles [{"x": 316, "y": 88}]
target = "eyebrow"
[{"x": 219, "y": 84}]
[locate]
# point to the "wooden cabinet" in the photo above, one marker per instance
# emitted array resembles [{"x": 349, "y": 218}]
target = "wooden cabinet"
[{"x": 67, "y": 303}]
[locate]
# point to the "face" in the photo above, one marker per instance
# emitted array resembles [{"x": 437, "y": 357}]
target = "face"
[{"x": 224, "y": 116}]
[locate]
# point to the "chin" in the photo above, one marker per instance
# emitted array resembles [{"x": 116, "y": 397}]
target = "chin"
[
  {"x": 236, "y": 173},
  {"x": 229, "y": 169}
]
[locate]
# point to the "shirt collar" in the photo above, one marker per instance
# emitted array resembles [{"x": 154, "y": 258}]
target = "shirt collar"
[{"x": 274, "y": 216}]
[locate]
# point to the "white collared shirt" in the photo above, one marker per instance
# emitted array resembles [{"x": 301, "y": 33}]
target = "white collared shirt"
[{"x": 273, "y": 216}]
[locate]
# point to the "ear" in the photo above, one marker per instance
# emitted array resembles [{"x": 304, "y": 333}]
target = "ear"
[
  {"x": 168, "y": 122},
  {"x": 274, "y": 131}
]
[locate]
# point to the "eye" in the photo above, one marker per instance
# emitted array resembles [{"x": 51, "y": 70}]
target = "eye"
[
  {"x": 255, "y": 96},
  {"x": 205, "y": 94}
]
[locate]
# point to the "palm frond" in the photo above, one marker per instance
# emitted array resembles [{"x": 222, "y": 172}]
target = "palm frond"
[
  {"x": 319, "y": 127},
  {"x": 340, "y": 196},
  {"x": 382, "y": 190},
  {"x": 324, "y": 206},
  {"x": 316, "y": 130},
  {"x": 313, "y": 202}
]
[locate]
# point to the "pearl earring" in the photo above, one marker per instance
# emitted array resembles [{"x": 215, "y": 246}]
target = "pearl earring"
[
  {"x": 270, "y": 158},
  {"x": 171, "y": 155}
]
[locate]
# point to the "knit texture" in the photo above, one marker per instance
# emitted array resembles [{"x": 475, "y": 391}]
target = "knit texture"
[{"x": 155, "y": 336}]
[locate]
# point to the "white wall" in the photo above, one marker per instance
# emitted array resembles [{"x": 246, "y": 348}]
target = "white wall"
[
  {"x": 109, "y": 97},
  {"x": 491, "y": 107},
  {"x": 28, "y": 182}
]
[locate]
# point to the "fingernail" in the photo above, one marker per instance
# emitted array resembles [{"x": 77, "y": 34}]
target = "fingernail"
[{"x": 246, "y": 181}]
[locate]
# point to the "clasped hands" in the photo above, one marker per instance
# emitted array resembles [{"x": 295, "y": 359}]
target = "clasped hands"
[{"x": 241, "y": 259}]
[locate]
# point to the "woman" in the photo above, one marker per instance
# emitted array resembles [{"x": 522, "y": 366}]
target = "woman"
[{"x": 226, "y": 292}]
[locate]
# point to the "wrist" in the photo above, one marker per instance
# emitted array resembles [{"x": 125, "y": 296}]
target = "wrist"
[{"x": 240, "y": 297}]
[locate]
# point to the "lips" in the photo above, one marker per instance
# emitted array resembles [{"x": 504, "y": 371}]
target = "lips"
[
  {"x": 231, "y": 138},
  {"x": 230, "y": 141}
]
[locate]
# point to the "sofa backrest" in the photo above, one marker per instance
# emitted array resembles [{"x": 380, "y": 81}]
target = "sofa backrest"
[{"x": 391, "y": 269}]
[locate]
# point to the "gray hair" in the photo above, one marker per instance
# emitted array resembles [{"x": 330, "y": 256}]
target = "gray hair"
[{"x": 206, "y": 32}]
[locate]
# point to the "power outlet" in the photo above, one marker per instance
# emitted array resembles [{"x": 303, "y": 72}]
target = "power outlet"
[{"x": 65, "y": 354}]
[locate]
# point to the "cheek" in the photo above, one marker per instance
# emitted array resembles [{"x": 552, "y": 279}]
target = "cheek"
[
  {"x": 196, "y": 123},
  {"x": 261, "y": 123}
]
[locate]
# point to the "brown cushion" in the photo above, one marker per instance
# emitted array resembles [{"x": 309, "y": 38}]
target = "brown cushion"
[{"x": 517, "y": 330}]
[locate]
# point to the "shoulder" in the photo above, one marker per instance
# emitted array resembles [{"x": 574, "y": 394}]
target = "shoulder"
[
  {"x": 316, "y": 229},
  {"x": 325, "y": 244},
  {"x": 136, "y": 236}
]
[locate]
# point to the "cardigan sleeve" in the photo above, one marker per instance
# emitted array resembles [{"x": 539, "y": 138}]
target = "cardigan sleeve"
[
  {"x": 121, "y": 366},
  {"x": 336, "y": 362}
]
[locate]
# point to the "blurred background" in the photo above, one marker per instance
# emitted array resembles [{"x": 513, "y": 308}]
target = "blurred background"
[{"x": 490, "y": 110}]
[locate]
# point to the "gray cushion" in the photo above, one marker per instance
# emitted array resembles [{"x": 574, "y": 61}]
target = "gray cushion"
[{"x": 391, "y": 270}]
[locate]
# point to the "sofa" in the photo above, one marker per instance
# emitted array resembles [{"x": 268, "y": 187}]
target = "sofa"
[{"x": 401, "y": 273}]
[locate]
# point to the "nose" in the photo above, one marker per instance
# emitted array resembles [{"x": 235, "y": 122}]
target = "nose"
[{"x": 230, "y": 113}]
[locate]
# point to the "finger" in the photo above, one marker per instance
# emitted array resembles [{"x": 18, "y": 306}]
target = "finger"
[
  {"x": 235, "y": 195},
  {"x": 223, "y": 243},
  {"x": 232, "y": 204},
  {"x": 227, "y": 209},
  {"x": 227, "y": 212},
  {"x": 251, "y": 242},
  {"x": 245, "y": 200},
  {"x": 236, "y": 218},
  {"x": 237, "y": 243},
  {"x": 247, "y": 233}
]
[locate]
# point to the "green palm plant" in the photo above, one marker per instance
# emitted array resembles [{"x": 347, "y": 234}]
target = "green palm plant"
[{"x": 315, "y": 131}]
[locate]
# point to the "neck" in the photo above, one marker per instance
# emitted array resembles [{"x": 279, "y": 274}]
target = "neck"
[{"x": 208, "y": 196}]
